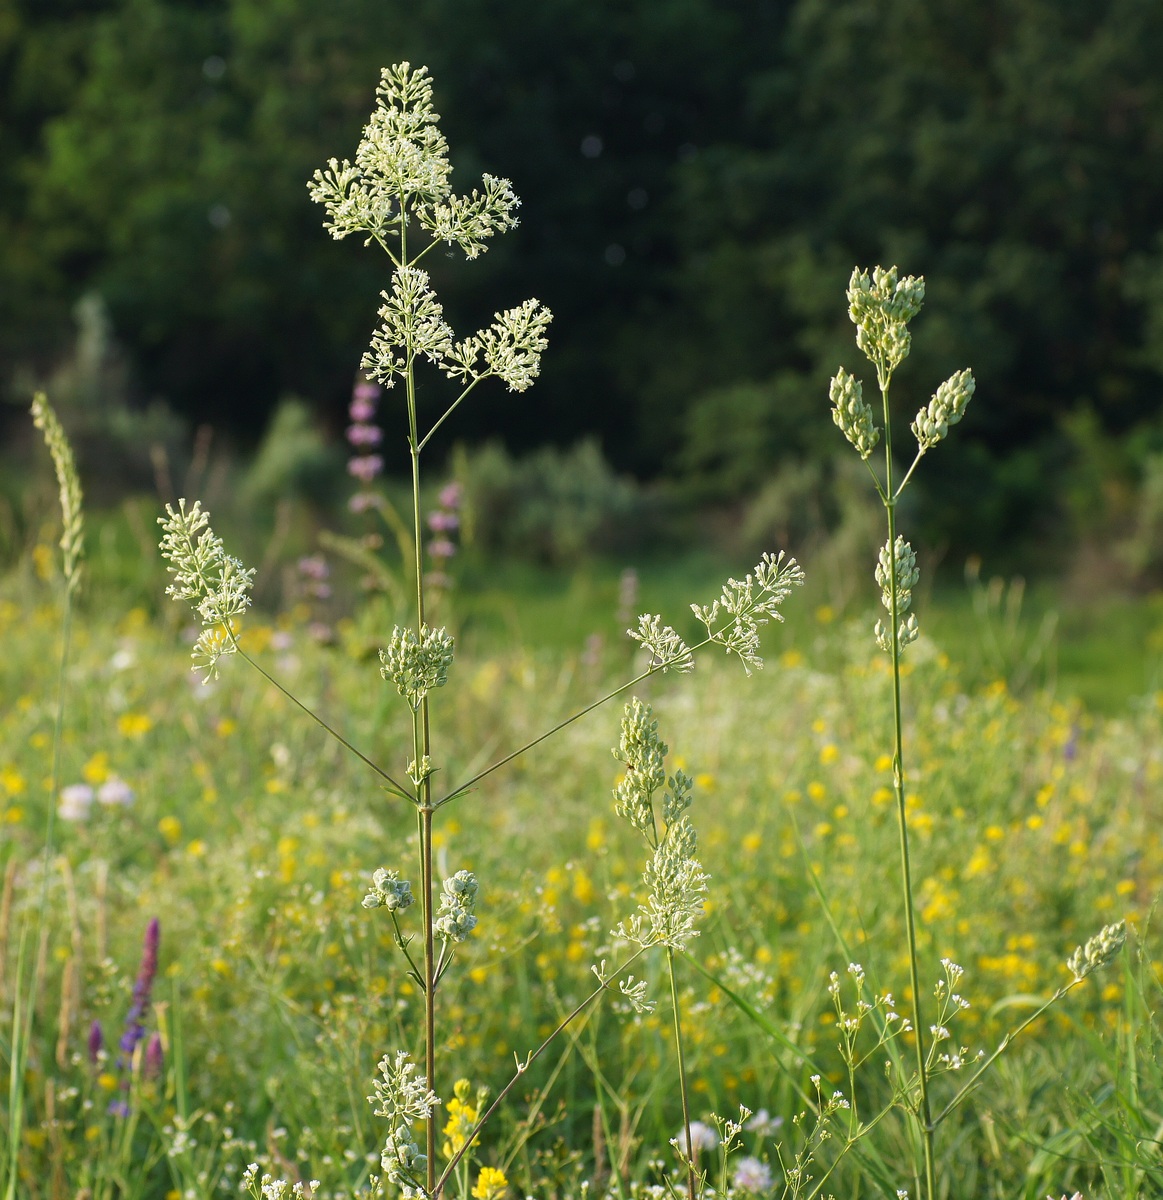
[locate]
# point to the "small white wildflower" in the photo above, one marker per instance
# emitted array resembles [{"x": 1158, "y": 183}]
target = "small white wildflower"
[
  {"x": 667, "y": 650},
  {"x": 388, "y": 891},
  {"x": 455, "y": 919}
]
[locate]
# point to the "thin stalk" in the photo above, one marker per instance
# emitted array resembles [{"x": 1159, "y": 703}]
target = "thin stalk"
[
  {"x": 925, "y": 1116},
  {"x": 397, "y": 788},
  {"x": 531, "y": 1058},
  {"x": 682, "y": 1086},
  {"x": 1003, "y": 1046},
  {"x": 450, "y": 410},
  {"x": 589, "y": 708},
  {"x": 422, "y": 741},
  {"x": 23, "y": 1013}
]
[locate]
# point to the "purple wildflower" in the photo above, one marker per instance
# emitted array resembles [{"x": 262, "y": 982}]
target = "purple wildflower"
[
  {"x": 443, "y": 522},
  {"x": 138, "y": 1011},
  {"x": 365, "y": 467},
  {"x": 365, "y": 435},
  {"x": 451, "y": 495},
  {"x": 441, "y": 548},
  {"x": 96, "y": 1042}
]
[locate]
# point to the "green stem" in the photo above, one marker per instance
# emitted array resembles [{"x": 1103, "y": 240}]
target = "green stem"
[
  {"x": 451, "y": 409},
  {"x": 397, "y": 788},
  {"x": 925, "y": 1116},
  {"x": 531, "y": 1058},
  {"x": 1003, "y": 1046},
  {"x": 682, "y": 1085},
  {"x": 589, "y": 708}
]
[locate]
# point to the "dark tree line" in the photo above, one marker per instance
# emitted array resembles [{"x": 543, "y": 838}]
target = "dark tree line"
[{"x": 698, "y": 178}]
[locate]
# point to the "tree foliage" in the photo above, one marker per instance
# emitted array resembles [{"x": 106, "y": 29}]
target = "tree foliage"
[{"x": 698, "y": 179}]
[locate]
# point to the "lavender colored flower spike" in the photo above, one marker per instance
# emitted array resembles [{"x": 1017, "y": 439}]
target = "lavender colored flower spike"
[{"x": 96, "y": 1042}]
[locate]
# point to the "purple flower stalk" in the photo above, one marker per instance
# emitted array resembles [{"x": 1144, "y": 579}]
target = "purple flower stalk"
[
  {"x": 154, "y": 1057},
  {"x": 96, "y": 1042},
  {"x": 138, "y": 1011}
]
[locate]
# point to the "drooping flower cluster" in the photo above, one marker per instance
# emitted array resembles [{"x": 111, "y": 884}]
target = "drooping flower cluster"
[
  {"x": 907, "y": 575},
  {"x": 417, "y": 665},
  {"x": 675, "y": 881},
  {"x": 216, "y": 585}
]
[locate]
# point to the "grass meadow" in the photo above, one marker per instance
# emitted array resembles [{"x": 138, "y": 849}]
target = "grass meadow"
[{"x": 251, "y": 837}]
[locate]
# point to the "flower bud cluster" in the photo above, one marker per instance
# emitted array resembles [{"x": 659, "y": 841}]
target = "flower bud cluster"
[
  {"x": 389, "y": 891},
  {"x": 1099, "y": 950},
  {"x": 72, "y": 541},
  {"x": 455, "y": 919},
  {"x": 675, "y": 880},
  {"x": 881, "y": 307},
  {"x": 666, "y": 648},
  {"x": 851, "y": 414},
  {"x": 643, "y": 752},
  {"x": 907, "y": 576},
  {"x": 946, "y": 408},
  {"x": 417, "y": 665}
]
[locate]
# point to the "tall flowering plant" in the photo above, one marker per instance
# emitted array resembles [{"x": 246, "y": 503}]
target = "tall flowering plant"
[{"x": 397, "y": 195}]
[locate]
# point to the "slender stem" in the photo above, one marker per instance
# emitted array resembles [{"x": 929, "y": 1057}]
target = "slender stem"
[
  {"x": 682, "y": 1086},
  {"x": 1003, "y": 1045},
  {"x": 909, "y": 473},
  {"x": 532, "y": 1057},
  {"x": 501, "y": 762},
  {"x": 451, "y": 409},
  {"x": 397, "y": 787},
  {"x": 925, "y": 1116},
  {"x": 468, "y": 783}
]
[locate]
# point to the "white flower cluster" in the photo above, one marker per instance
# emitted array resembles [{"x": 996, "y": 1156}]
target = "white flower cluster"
[
  {"x": 851, "y": 414},
  {"x": 675, "y": 880},
  {"x": 417, "y": 665},
  {"x": 946, "y": 408},
  {"x": 750, "y": 604},
  {"x": 949, "y": 1006},
  {"x": 402, "y": 167},
  {"x": 401, "y": 173},
  {"x": 216, "y": 585},
  {"x": 269, "y": 1188},
  {"x": 511, "y": 347},
  {"x": 458, "y": 898},
  {"x": 907, "y": 575},
  {"x": 1098, "y": 951},
  {"x": 667, "y": 649},
  {"x": 404, "y": 1098},
  {"x": 389, "y": 891},
  {"x": 881, "y": 308}
]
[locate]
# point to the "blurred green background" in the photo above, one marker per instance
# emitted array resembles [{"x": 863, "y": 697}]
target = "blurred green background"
[{"x": 698, "y": 178}]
